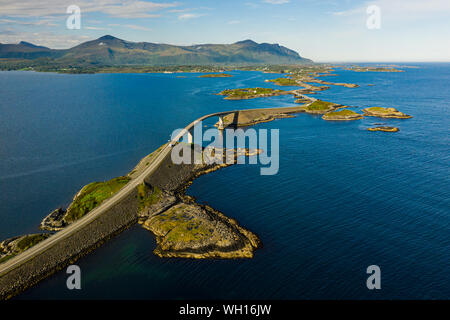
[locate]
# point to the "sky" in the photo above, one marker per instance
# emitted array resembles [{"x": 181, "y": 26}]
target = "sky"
[{"x": 321, "y": 30}]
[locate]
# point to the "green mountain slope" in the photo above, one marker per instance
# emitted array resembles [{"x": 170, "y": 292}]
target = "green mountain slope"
[{"x": 111, "y": 51}]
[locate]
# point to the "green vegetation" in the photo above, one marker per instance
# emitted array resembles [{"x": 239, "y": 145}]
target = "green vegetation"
[
  {"x": 12, "y": 247},
  {"x": 29, "y": 241},
  {"x": 6, "y": 258},
  {"x": 284, "y": 82},
  {"x": 343, "y": 114},
  {"x": 180, "y": 226},
  {"x": 216, "y": 75},
  {"x": 379, "y": 109},
  {"x": 320, "y": 105},
  {"x": 147, "y": 195},
  {"x": 373, "y": 69},
  {"x": 93, "y": 195},
  {"x": 249, "y": 93},
  {"x": 385, "y": 129}
]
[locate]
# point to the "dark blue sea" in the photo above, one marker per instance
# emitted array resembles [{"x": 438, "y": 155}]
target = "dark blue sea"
[{"x": 344, "y": 198}]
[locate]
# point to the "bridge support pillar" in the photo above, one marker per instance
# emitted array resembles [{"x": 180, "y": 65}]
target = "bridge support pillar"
[
  {"x": 220, "y": 125},
  {"x": 190, "y": 137}
]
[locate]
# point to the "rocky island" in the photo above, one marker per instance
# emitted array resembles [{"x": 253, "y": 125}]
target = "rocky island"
[
  {"x": 320, "y": 107},
  {"x": 384, "y": 128},
  {"x": 342, "y": 115},
  {"x": 373, "y": 69},
  {"x": 385, "y": 113},
  {"x": 216, "y": 75},
  {"x": 250, "y": 93}
]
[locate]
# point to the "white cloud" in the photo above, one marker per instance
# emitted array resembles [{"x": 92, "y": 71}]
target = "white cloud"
[
  {"x": 94, "y": 28},
  {"x": 234, "y": 22},
  {"x": 276, "y": 1},
  {"x": 48, "y": 39},
  {"x": 117, "y": 8},
  {"x": 187, "y": 16},
  {"x": 401, "y": 8},
  {"x": 130, "y": 26},
  {"x": 135, "y": 27},
  {"x": 45, "y": 22}
]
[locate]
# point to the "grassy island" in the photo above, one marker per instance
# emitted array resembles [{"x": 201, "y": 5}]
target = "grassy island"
[
  {"x": 342, "y": 115},
  {"x": 372, "y": 69},
  {"x": 320, "y": 107},
  {"x": 216, "y": 75},
  {"x": 250, "y": 93},
  {"x": 284, "y": 82}
]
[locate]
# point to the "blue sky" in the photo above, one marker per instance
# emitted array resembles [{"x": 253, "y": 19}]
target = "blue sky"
[{"x": 328, "y": 30}]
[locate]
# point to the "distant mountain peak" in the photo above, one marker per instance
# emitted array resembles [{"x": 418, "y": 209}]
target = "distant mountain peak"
[
  {"x": 108, "y": 37},
  {"x": 29, "y": 44},
  {"x": 248, "y": 41}
]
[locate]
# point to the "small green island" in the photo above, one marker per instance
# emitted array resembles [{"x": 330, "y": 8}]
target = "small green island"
[
  {"x": 320, "y": 107},
  {"x": 385, "y": 113},
  {"x": 373, "y": 69},
  {"x": 250, "y": 93},
  {"x": 216, "y": 75},
  {"x": 284, "y": 82},
  {"x": 384, "y": 129},
  {"x": 342, "y": 115}
]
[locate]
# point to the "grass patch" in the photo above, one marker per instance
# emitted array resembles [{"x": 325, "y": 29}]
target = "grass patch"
[
  {"x": 379, "y": 109},
  {"x": 284, "y": 82},
  {"x": 147, "y": 196},
  {"x": 216, "y": 75},
  {"x": 343, "y": 112},
  {"x": 29, "y": 241},
  {"x": 93, "y": 195},
  {"x": 248, "y": 92},
  {"x": 6, "y": 258},
  {"x": 182, "y": 227},
  {"x": 320, "y": 105}
]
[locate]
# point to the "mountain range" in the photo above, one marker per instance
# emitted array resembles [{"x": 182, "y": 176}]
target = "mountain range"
[{"x": 112, "y": 51}]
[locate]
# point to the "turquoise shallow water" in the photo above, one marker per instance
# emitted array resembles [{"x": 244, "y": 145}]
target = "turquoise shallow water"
[{"x": 344, "y": 198}]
